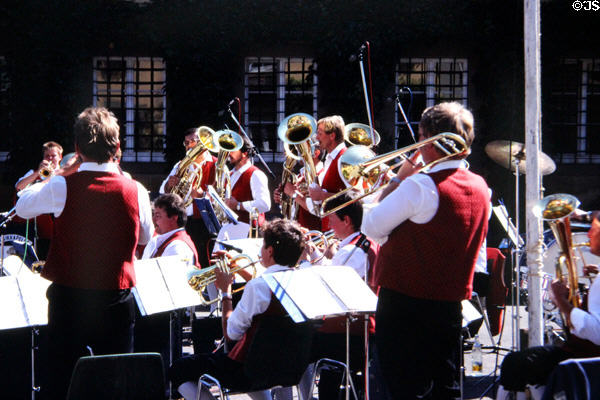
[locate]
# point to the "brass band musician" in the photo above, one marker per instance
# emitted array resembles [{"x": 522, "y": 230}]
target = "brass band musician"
[
  {"x": 531, "y": 367},
  {"x": 330, "y": 135},
  {"x": 101, "y": 216},
  {"x": 431, "y": 226},
  {"x": 282, "y": 247},
  {"x": 249, "y": 185},
  {"x": 195, "y": 226}
]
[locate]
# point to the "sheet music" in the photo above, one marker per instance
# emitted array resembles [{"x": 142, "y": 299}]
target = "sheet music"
[
  {"x": 12, "y": 311},
  {"x": 23, "y": 299},
  {"x": 234, "y": 231},
  {"x": 162, "y": 285},
  {"x": 321, "y": 291},
  {"x": 502, "y": 215},
  {"x": 175, "y": 273}
]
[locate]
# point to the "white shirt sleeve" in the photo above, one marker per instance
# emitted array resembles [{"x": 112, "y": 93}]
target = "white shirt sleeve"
[
  {"x": 255, "y": 300},
  {"x": 173, "y": 172},
  {"x": 259, "y": 184},
  {"x": 358, "y": 261},
  {"x": 416, "y": 198},
  {"x": 586, "y": 325},
  {"x": 24, "y": 176},
  {"x": 42, "y": 198},
  {"x": 146, "y": 229}
]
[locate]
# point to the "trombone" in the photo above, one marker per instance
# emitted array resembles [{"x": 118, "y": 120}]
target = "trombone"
[
  {"x": 359, "y": 165},
  {"x": 199, "y": 279}
]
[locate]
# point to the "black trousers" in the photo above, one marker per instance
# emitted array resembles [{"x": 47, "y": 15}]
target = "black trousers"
[
  {"x": 196, "y": 228},
  {"x": 530, "y": 366},
  {"x": 102, "y": 320},
  {"x": 419, "y": 346}
]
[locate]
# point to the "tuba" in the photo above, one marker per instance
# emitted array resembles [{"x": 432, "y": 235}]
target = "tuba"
[
  {"x": 555, "y": 210},
  {"x": 295, "y": 131},
  {"x": 189, "y": 174},
  {"x": 361, "y": 134},
  {"x": 225, "y": 142},
  {"x": 362, "y": 170}
]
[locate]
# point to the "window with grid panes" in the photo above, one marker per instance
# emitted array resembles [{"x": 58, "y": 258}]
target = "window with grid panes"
[
  {"x": 573, "y": 114},
  {"x": 431, "y": 81},
  {"x": 273, "y": 89},
  {"x": 133, "y": 89},
  {"x": 5, "y": 117}
]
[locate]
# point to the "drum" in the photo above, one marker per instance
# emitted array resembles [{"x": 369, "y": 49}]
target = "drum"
[{"x": 581, "y": 255}]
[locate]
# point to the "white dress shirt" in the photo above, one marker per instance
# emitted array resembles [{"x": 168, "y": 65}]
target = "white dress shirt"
[
  {"x": 329, "y": 159},
  {"x": 175, "y": 248},
  {"x": 358, "y": 260},
  {"x": 259, "y": 185},
  {"x": 586, "y": 325},
  {"x": 255, "y": 300},
  {"x": 50, "y": 198},
  {"x": 415, "y": 199}
]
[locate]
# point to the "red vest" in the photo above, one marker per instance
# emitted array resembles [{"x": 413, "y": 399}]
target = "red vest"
[
  {"x": 240, "y": 350},
  {"x": 96, "y": 235},
  {"x": 338, "y": 324},
  {"x": 309, "y": 221},
  {"x": 184, "y": 237},
  {"x": 208, "y": 178},
  {"x": 332, "y": 183},
  {"x": 242, "y": 191},
  {"x": 436, "y": 260}
]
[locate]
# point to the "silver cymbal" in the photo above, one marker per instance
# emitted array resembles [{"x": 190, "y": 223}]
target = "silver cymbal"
[{"x": 507, "y": 152}]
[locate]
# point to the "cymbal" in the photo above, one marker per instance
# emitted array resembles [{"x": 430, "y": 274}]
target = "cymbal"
[{"x": 506, "y": 153}]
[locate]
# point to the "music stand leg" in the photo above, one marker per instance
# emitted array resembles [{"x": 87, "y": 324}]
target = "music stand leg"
[
  {"x": 347, "y": 357},
  {"x": 34, "y": 389}
]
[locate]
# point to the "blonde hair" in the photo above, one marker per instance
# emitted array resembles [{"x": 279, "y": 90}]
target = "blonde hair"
[{"x": 333, "y": 124}]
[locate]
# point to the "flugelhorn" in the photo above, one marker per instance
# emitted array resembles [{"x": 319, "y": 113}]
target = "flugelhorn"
[
  {"x": 362, "y": 170},
  {"x": 555, "y": 210},
  {"x": 199, "y": 279},
  {"x": 321, "y": 240}
]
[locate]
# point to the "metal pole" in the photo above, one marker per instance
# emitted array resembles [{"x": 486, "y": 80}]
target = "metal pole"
[{"x": 533, "y": 112}]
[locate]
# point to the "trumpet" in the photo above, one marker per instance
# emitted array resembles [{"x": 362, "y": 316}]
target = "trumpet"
[
  {"x": 361, "y": 169},
  {"x": 46, "y": 172},
  {"x": 199, "y": 279}
]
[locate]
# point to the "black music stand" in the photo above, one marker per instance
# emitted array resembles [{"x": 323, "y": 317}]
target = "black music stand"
[
  {"x": 334, "y": 291},
  {"x": 162, "y": 286},
  {"x": 26, "y": 305}
]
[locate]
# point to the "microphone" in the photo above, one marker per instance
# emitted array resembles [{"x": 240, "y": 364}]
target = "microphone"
[
  {"x": 358, "y": 54},
  {"x": 227, "y": 246}
]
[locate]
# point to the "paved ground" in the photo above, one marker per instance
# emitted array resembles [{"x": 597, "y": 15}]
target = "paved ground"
[{"x": 479, "y": 386}]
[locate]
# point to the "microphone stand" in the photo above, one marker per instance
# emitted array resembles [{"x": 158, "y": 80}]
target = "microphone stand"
[
  {"x": 399, "y": 104},
  {"x": 364, "y": 84},
  {"x": 254, "y": 149}
]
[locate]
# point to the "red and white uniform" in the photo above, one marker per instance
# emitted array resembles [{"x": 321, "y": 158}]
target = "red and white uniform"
[
  {"x": 250, "y": 187},
  {"x": 114, "y": 209},
  {"x": 173, "y": 243}
]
